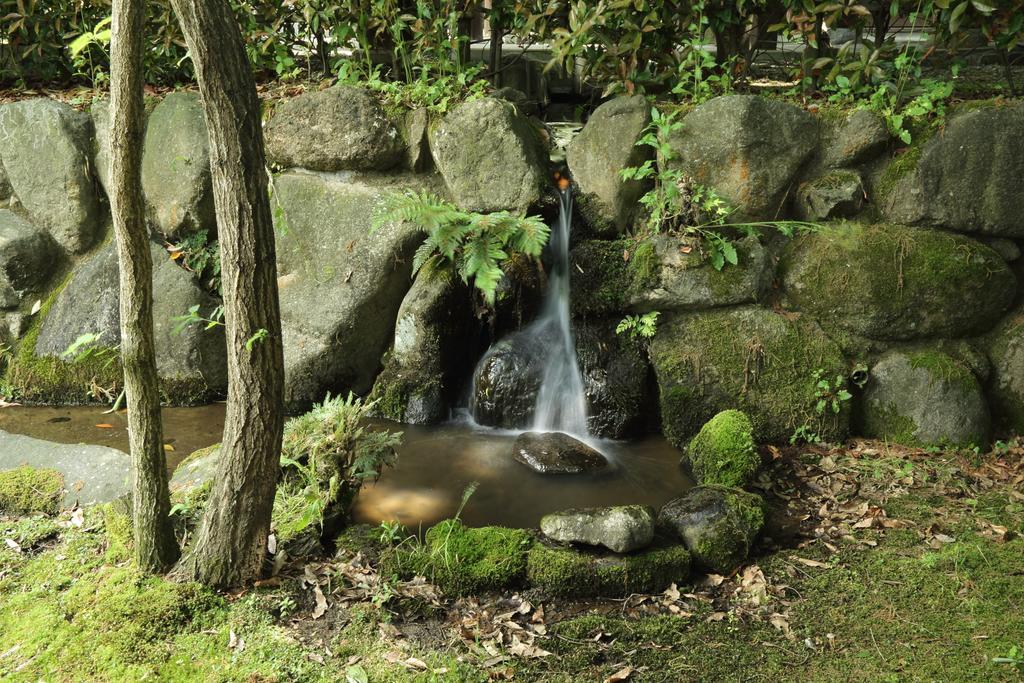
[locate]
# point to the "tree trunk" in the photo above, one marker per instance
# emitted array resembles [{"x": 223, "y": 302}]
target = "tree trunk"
[
  {"x": 155, "y": 546},
  {"x": 231, "y": 543}
]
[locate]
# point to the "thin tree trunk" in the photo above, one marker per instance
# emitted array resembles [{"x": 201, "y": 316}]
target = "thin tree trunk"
[
  {"x": 155, "y": 546},
  {"x": 231, "y": 543}
]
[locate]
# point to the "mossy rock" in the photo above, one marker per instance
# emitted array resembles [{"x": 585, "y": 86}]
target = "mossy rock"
[
  {"x": 1006, "y": 353},
  {"x": 608, "y": 276},
  {"x": 895, "y": 283},
  {"x": 718, "y": 524},
  {"x": 464, "y": 560},
  {"x": 745, "y": 358},
  {"x": 924, "y": 397},
  {"x": 577, "y": 573},
  {"x": 25, "y": 490},
  {"x": 723, "y": 452},
  {"x": 117, "y": 524}
]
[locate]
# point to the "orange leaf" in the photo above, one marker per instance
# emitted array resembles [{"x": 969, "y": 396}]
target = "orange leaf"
[{"x": 104, "y": 425}]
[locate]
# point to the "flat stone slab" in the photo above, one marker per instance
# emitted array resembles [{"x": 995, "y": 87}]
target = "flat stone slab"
[
  {"x": 92, "y": 474},
  {"x": 621, "y": 529},
  {"x": 556, "y": 453}
]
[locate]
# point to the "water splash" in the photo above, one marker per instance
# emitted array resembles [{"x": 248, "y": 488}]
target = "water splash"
[{"x": 561, "y": 402}]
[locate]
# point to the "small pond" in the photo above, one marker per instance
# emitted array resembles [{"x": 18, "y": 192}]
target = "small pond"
[{"x": 436, "y": 464}]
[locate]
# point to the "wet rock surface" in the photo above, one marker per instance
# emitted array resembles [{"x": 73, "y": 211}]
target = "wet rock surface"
[
  {"x": 621, "y": 529},
  {"x": 717, "y": 524},
  {"x": 557, "y": 453}
]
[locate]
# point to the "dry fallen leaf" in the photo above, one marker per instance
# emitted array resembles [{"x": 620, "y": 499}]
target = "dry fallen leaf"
[
  {"x": 36, "y": 306},
  {"x": 12, "y": 544},
  {"x": 620, "y": 675},
  {"x": 811, "y": 563}
]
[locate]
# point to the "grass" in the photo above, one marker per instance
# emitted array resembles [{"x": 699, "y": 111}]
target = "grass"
[{"x": 935, "y": 595}]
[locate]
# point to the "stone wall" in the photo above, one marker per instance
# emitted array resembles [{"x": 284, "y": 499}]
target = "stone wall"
[{"x": 909, "y": 285}]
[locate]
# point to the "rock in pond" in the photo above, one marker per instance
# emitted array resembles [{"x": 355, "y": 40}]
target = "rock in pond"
[
  {"x": 717, "y": 524},
  {"x": 621, "y": 528},
  {"x": 557, "y": 453},
  {"x": 92, "y": 474}
]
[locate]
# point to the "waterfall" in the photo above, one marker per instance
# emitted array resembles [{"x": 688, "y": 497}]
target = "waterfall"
[{"x": 561, "y": 401}]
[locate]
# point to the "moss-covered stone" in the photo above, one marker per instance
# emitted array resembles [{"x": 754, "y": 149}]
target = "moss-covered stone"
[
  {"x": 718, "y": 524},
  {"x": 744, "y": 358},
  {"x": 569, "y": 572},
  {"x": 895, "y": 283},
  {"x": 463, "y": 560},
  {"x": 924, "y": 397},
  {"x": 608, "y": 275},
  {"x": 1006, "y": 389},
  {"x": 24, "y": 490},
  {"x": 723, "y": 452},
  {"x": 117, "y": 523}
]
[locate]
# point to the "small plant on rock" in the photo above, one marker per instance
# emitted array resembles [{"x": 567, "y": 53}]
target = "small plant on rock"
[
  {"x": 639, "y": 326},
  {"x": 474, "y": 244}
]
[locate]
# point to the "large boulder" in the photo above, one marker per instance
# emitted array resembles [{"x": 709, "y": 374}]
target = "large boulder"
[
  {"x": 492, "y": 159},
  {"x": 747, "y": 148},
  {"x": 748, "y": 358},
  {"x": 341, "y": 284},
  {"x": 605, "y": 146},
  {"x": 176, "y": 167},
  {"x": 27, "y": 258},
  {"x": 192, "y": 364},
  {"x": 557, "y": 453},
  {"x": 969, "y": 177},
  {"x": 99, "y": 111},
  {"x": 342, "y": 128},
  {"x": 621, "y": 528},
  {"x": 924, "y": 397},
  {"x": 663, "y": 273},
  {"x": 46, "y": 148},
  {"x": 432, "y": 342},
  {"x": 91, "y": 474},
  {"x": 616, "y": 379},
  {"x": 717, "y": 524},
  {"x": 1006, "y": 353},
  {"x": 894, "y": 283}
]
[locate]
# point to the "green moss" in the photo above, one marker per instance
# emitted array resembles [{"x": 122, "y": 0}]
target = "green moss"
[
  {"x": 607, "y": 274},
  {"x": 726, "y": 540},
  {"x": 745, "y": 358},
  {"x": 117, "y": 523},
  {"x": 199, "y": 454},
  {"x": 723, "y": 451},
  {"x": 887, "y": 423},
  {"x": 941, "y": 366},
  {"x": 26, "y": 489},
  {"x": 568, "y": 572},
  {"x": 463, "y": 560},
  {"x": 395, "y": 388},
  {"x": 891, "y": 282}
]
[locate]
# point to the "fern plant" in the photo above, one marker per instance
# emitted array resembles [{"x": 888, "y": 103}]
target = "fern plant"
[{"x": 474, "y": 244}]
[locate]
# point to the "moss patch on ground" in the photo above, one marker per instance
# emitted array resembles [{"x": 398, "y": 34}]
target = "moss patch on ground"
[
  {"x": 723, "y": 452},
  {"x": 25, "y": 490}
]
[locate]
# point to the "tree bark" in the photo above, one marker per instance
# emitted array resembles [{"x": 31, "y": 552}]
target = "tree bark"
[
  {"x": 155, "y": 546},
  {"x": 231, "y": 543}
]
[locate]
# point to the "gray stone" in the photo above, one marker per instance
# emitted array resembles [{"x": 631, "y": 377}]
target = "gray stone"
[
  {"x": 492, "y": 159},
  {"x": 605, "y": 146},
  {"x": 27, "y": 258},
  {"x": 507, "y": 379},
  {"x": 718, "y": 525},
  {"x": 340, "y": 284},
  {"x": 1006, "y": 353},
  {"x": 431, "y": 344},
  {"x": 45, "y": 147},
  {"x": 342, "y": 128},
  {"x": 970, "y": 177},
  {"x": 621, "y": 529},
  {"x": 192, "y": 474},
  {"x": 1007, "y": 249},
  {"x": 839, "y": 194},
  {"x": 746, "y": 358},
  {"x": 557, "y": 453},
  {"x": 615, "y": 374},
  {"x": 100, "y": 113},
  {"x": 415, "y": 130},
  {"x": 861, "y": 137},
  {"x": 923, "y": 397},
  {"x": 92, "y": 474},
  {"x": 747, "y": 148},
  {"x": 518, "y": 99},
  {"x": 6, "y": 191},
  {"x": 176, "y": 167},
  {"x": 895, "y": 283},
  {"x": 192, "y": 365}
]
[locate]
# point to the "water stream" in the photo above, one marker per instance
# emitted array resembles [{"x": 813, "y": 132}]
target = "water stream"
[{"x": 561, "y": 402}]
